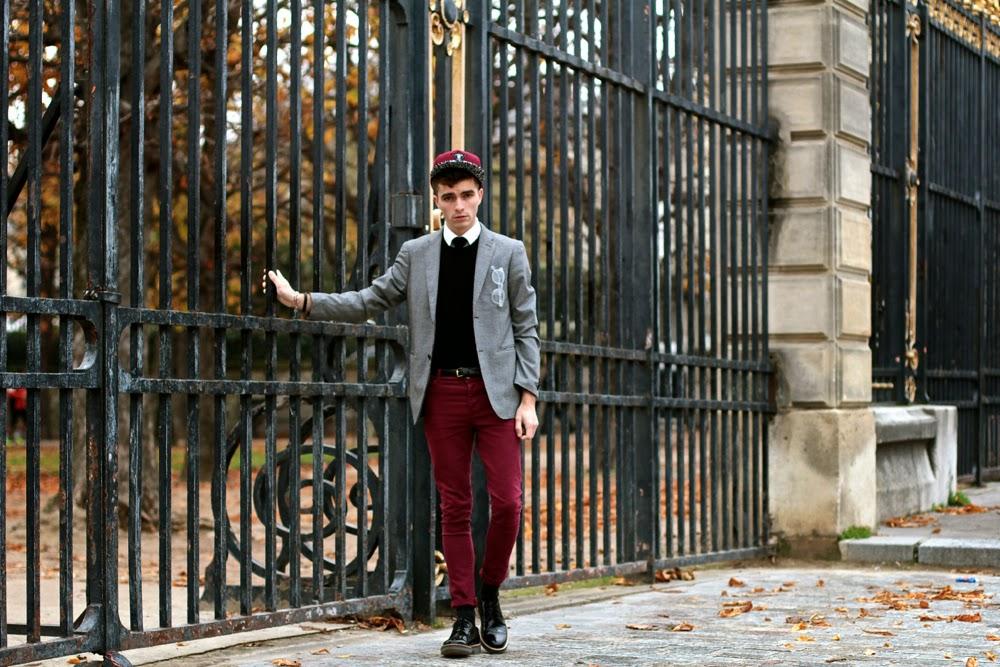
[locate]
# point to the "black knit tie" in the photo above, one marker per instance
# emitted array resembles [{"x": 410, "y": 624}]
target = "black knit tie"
[{"x": 459, "y": 242}]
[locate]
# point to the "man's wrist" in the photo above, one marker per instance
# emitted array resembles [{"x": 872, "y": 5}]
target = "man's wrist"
[{"x": 527, "y": 398}]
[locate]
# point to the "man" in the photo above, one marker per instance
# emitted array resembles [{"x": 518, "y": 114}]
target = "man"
[{"x": 474, "y": 365}]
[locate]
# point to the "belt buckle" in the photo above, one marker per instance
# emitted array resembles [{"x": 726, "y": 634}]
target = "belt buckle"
[{"x": 462, "y": 372}]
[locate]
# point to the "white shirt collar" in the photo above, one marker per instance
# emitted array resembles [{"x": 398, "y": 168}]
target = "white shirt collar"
[{"x": 472, "y": 235}]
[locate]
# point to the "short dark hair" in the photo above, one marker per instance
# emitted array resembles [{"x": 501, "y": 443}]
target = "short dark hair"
[{"x": 452, "y": 177}]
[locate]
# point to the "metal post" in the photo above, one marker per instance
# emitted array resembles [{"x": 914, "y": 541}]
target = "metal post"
[
  {"x": 639, "y": 134},
  {"x": 983, "y": 292}
]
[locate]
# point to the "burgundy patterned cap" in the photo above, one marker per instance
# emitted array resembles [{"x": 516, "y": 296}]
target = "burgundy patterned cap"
[{"x": 459, "y": 159}]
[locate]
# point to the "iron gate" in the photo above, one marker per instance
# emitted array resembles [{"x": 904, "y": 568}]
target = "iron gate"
[
  {"x": 235, "y": 470},
  {"x": 936, "y": 217},
  {"x": 627, "y": 148}
]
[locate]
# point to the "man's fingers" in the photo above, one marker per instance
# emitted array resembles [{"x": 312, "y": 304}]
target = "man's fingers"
[{"x": 518, "y": 428}]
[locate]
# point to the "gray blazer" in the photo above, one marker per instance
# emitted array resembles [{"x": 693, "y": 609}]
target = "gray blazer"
[{"x": 503, "y": 312}]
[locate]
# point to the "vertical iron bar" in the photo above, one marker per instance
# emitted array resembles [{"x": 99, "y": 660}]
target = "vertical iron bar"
[
  {"x": 564, "y": 296},
  {"x": 246, "y": 296},
  {"x": 580, "y": 220},
  {"x": 137, "y": 300},
  {"x": 318, "y": 342},
  {"x": 193, "y": 462},
  {"x": 745, "y": 266},
  {"x": 550, "y": 307},
  {"x": 704, "y": 482},
  {"x": 755, "y": 229},
  {"x": 221, "y": 462},
  {"x": 67, "y": 58},
  {"x": 363, "y": 233},
  {"x": 165, "y": 339},
  {"x": 295, "y": 271},
  {"x": 607, "y": 213},
  {"x": 536, "y": 244},
  {"x": 270, "y": 340},
  {"x": 724, "y": 285},
  {"x": 983, "y": 388},
  {"x": 34, "y": 351},
  {"x": 4, "y": 180}
]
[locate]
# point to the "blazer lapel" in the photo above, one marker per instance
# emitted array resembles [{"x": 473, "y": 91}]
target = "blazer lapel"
[
  {"x": 483, "y": 259},
  {"x": 432, "y": 260}
]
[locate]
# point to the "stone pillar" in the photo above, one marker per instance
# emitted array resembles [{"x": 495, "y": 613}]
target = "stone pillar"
[{"x": 822, "y": 441}]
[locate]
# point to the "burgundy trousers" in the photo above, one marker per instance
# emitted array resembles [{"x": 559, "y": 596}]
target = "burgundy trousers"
[{"x": 457, "y": 412}]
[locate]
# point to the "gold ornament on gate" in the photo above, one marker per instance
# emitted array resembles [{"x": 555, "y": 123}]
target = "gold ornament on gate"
[{"x": 447, "y": 20}]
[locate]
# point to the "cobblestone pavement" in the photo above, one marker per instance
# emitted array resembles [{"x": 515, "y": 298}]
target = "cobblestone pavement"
[{"x": 804, "y": 614}]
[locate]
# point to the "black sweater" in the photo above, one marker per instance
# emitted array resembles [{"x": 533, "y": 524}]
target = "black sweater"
[{"x": 454, "y": 336}]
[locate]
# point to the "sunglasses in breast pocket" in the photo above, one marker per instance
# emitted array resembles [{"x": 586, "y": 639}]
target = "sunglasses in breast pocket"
[{"x": 498, "y": 277}]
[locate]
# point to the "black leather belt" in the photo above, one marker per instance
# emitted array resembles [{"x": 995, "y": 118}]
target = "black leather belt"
[{"x": 469, "y": 372}]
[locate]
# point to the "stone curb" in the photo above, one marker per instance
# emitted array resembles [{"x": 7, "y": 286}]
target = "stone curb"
[{"x": 937, "y": 551}]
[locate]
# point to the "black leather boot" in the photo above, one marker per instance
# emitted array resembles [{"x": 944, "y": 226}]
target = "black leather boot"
[
  {"x": 464, "y": 640},
  {"x": 494, "y": 635}
]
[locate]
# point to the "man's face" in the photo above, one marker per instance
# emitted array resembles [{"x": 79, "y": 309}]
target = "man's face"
[{"x": 459, "y": 203}]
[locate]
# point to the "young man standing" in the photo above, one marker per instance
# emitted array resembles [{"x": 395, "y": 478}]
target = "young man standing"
[{"x": 473, "y": 375}]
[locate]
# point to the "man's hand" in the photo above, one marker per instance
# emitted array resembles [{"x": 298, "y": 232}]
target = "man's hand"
[
  {"x": 286, "y": 295},
  {"x": 526, "y": 421}
]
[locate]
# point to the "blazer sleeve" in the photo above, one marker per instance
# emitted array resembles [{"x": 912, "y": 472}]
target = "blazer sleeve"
[
  {"x": 524, "y": 319},
  {"x": 386, "y": 291}
]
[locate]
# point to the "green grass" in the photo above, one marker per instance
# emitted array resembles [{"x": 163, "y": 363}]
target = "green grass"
[
  {"x": 958, "y": 499},
  {"x": 564, "y": 586},
  {"x": 855, "y": 533}
]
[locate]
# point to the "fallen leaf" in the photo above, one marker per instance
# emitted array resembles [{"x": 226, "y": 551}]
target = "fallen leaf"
[
  {"x": 552, "y": 589},
  {"x": 759, "y": 589},
  {"x": 788, "y": 645},
  {"x": 788, "y": 584},
  {"x": 622, "y": 581},
  {"x": 820, "y": 584},
  {"x": 924, "y": 604},
  {"x": 969, "y": 618},
  {"x": 881, "y": 633},
  {"x": 936, "y": 530},
  {"x": 964, "y": 509},
  {"x": 663, "y": 575},
  {"x": 869, "y": 651},
  {"x": 736, "y": 583},
  {"x": 640, "y": 626},
  {"x": 947, "y": 656},
  {"x": 836, "y": 638},
  {"x": 992, "y": 638},
  {"x": 321, "y": 651},
  {"x": 841, "y": 610},
  {"x": 682, "y": 627},
  {"x": 915, "y": 521},
  {"x": 731, "y": 609},
  {"x": 887, "y": 645},
  {"x": 863, "y": 613},
  {"x": 805, "y": 638},
  {"x": 77, "y": 659},
  {"x": 971, "y": 662},
  {"x": 991, "y": 656},
  {"x": 285, "y": 662},
  {"x": 563, "y": 626},
  {"x": 724, "y": 594},
  {"x": 687, "y": 575}
]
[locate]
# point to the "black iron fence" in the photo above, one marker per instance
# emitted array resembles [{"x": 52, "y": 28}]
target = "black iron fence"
[
  {"x": 935, "y": 96},
  {"x": 192, "y": 465}
]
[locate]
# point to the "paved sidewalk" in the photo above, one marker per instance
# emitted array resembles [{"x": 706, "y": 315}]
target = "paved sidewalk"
[
  {"x": 803, "y": 614},
  {"x": 959, "y": 526}
]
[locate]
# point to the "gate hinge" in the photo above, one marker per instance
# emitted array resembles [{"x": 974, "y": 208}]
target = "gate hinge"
[{"x": 102, "y": 295}]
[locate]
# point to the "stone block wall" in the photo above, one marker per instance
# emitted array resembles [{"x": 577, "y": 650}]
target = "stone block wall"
[{"x": 822, "y": 442}]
